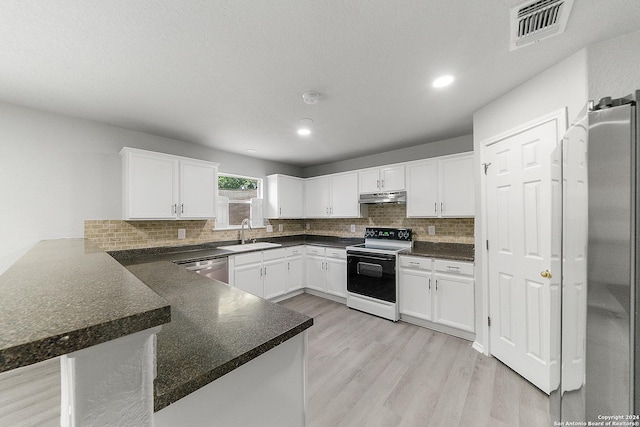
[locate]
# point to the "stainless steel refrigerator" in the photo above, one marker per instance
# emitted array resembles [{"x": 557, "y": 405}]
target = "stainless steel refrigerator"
[{"x": 599, "y": 321}]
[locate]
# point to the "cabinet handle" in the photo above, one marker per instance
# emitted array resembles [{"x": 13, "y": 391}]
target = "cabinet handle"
[
  {"x": 288, "y": 266},
  {"x": 331, "y": 210},
  {"x": 265, "y": 271},
  {"x": 429, "y": 283},
  {"x": 441, "y": 207},
  {"x": 175, "y": 208},
  {"x": 382, "y": 182},
  {"x": 327, "y": 210},
  {"x": 260, "y": 271},
  {"x": 414, "y": 263},
  {"x": 436, "y": 285},
  {"x": 378, "y": 183},
  {"x": 452, "y": 268},
  {"x": 435, "y": 207},
  {"x": 182, "y": 208},
  {"x": 279, "y": 211}
]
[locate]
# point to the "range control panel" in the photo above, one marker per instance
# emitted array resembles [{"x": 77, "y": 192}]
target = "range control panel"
[{"x": 402, "y": 234}]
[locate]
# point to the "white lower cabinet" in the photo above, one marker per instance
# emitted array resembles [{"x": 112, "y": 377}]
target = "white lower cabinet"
[
  {"x": 268, "y": 274},
  {"x": 439, "y": 292},
  {"x": 295, "y": 268},
  {"x": 327, "y": 270}
]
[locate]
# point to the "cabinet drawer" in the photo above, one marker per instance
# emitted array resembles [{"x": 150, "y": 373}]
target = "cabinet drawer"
[
  {"x": 270, "y": 254},
  {"x": 295, "y": 251},
  {"x": 253, "y": 257},
  {"x": 336, "y": 253},
  {"x": 315, "y": 250},
  {"x": 453, "y": 267},
  {"x": 416, "y": 262}
]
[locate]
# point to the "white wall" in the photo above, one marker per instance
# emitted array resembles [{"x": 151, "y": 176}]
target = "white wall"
[
  {"x": 563, "y": 85},
  {"x": 56, "y": 171},
  {"x": 460, "y": 144},
  {"x": 614, "y": 66}
]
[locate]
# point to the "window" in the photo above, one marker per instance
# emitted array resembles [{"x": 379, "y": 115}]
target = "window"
[{"x": 239, "y": 197}]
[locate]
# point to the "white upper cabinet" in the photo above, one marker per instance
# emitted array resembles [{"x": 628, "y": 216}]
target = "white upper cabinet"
[
  {"x": 386, "y": 178},
  {"x": 422, "y": 189},
  {"x": 198, "y": 188},
  {"x": 333, "y": 196},
  {"x": 285, "y": 196},
  {"x": 316, "y": 197},
  {"x": 457, "y": 195},
  {"x": 441, "y": 187},
  {"x": 344, "y": 195},
  {"x": 161, "y": 186}
]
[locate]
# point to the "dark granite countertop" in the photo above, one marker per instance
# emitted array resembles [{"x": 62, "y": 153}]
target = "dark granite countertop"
[
  {"x": 66, "y": 295},
  {"x": 210, "y": 250},
  {"x": 214, "y": 329},
  {"x": 453, "y": 251}
]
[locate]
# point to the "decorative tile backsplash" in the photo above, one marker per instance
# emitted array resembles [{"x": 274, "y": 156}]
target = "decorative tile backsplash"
[{"x": 119, "y": 234}]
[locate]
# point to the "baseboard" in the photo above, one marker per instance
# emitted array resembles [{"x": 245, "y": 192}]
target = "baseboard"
[
  {"x": 470, "y": 336},
  {"x": 478, "y": 347}
]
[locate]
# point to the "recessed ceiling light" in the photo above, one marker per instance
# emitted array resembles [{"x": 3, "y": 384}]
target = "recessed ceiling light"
[
  {"x": 443, "y": 81},
  {"x": 304, "y": 128}
]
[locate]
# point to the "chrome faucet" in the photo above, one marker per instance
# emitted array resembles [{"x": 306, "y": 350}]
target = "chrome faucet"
[{"x": 242, "y": 224}]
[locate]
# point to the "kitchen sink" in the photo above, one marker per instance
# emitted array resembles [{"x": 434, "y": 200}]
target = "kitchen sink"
[{"x": 250, "y": 246}]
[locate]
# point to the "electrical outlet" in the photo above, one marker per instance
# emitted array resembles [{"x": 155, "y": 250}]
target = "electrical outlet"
[
  {"x": 431, "y": 230},
  {"x": 308, "y": 226},
  {"x": 269, "y": 228},
  {"x": 182, "y": 233},
  {"x": 280, "y": 227},
  {"x": 353, "y": 228}
]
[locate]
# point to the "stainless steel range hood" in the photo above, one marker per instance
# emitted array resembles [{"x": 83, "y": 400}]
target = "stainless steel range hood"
[{"x": 397, "y": 197}]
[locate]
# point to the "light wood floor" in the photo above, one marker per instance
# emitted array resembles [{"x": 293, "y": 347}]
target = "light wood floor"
[{"x": 367, "y": 371}]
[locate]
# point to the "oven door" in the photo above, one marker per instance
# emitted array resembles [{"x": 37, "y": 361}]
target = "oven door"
[{"x": 372, "y": 275}]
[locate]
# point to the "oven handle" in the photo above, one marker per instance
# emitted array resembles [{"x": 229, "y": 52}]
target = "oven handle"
[{"x": 366, "y": 255}]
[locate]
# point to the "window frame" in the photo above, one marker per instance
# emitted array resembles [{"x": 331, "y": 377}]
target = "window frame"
[{"x": 259, "y": 195}]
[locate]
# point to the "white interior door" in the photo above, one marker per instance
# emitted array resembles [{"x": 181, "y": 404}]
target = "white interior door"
[
  {"x": 574, "y": 267},
  {"x": 520, "y": 195}
]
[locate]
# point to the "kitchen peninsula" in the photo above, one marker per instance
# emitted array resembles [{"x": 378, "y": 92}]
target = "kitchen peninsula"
[{"x": 67, "y": 298}]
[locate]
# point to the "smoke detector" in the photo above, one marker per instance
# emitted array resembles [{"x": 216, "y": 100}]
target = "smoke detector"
[
  {"x": 311, "y": 97},
  {"x": 537, "y": 20}
]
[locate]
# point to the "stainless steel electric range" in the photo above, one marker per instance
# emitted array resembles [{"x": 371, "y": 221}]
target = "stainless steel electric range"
[{"x": 372, "y": 271}]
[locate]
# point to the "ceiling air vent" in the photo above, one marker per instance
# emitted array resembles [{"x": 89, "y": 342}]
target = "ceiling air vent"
[{"x": 537, "y": 20}]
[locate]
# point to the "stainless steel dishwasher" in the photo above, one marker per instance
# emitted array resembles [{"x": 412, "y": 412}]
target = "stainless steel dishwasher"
[{"x": 215, "y": 268}]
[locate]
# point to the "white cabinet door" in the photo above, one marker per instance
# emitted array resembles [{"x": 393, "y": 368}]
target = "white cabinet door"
[
  {"x": 315, "y": 273},
  {"x": 456, "y": 186},
  {"x": 285, "y": 197},
  {"x": 316, "y": 197},
  {"x": 387, "y": 178},
  {"x": 295, "y": 274},
  {"x": 291, "y": 196},
  {"x": 369, "y": 180},
  {"x": 249, "y": 278},
  {"x": 344, "y": 195},
  {"x": 415, "y": 293},
  {"x": 336, "y": 276},
  {"x": 150, "y": 186},
  {"x": 274, "y": 274},
  {"x": 422, "y": 189},
  {"x": 453, "y": 302},
  {"x": 392, "y": 178},
  {"x": 198, "y": 188}
]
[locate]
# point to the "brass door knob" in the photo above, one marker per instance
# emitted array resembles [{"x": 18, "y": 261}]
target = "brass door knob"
[{"x": 546, "y": 274}]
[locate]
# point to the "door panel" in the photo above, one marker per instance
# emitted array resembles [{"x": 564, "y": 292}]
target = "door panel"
[{"x": 519, "y": 201}]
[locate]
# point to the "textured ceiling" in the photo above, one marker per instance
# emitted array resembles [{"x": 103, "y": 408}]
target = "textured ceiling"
[{"x": 230, "y": 74}]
